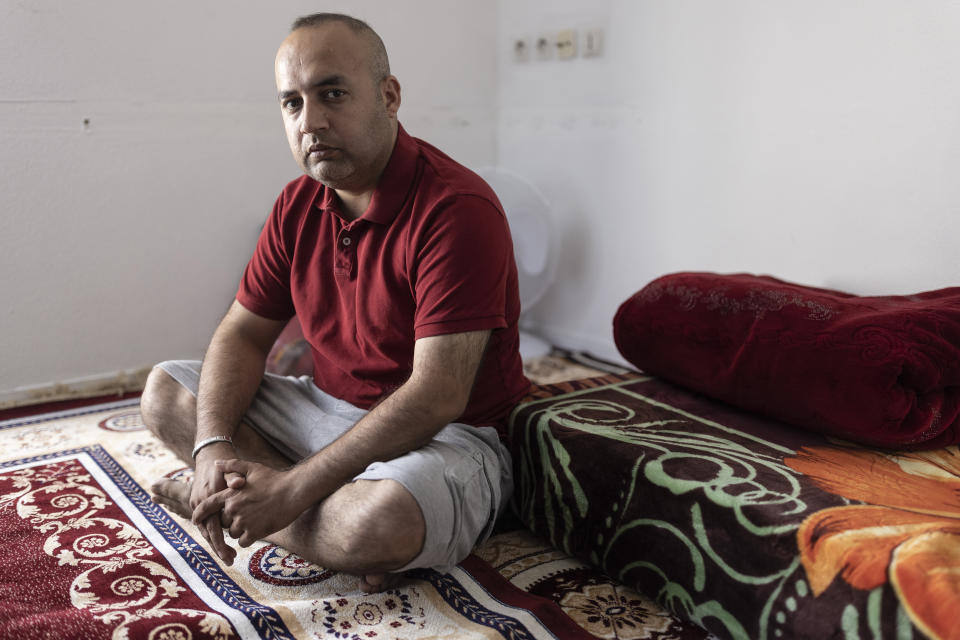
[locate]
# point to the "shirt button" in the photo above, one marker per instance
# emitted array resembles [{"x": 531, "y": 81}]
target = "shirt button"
[{"x": 346, "y": 241}]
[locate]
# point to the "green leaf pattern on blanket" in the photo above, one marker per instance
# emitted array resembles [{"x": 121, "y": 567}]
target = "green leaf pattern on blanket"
[
  {"x": 559, "y": 510},
  {"x": 727, "y": 484}
]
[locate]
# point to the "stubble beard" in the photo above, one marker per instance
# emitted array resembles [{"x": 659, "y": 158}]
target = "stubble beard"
[
  {"x": 336, "y": 173},
  {"x": 332, "y": 173}
]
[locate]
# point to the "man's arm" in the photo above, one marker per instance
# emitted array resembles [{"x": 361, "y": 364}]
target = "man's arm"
[
  {"x": 444, "y": 369},
  {"x": 232, "y": 371}
]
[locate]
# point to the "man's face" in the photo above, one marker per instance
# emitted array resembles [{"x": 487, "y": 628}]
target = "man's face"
[{"x": 340, "y": 120}]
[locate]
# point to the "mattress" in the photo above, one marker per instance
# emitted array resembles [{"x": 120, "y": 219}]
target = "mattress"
[{"x": 742, "y": 524}]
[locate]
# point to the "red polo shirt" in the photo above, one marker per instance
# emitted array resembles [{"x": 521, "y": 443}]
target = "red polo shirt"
[{"x": 431, "y": 255}]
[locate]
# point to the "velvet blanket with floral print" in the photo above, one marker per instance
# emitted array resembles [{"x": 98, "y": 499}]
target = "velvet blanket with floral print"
[
  {"x": 881, "y": 370},
  {"x": 746, "y": 526}
]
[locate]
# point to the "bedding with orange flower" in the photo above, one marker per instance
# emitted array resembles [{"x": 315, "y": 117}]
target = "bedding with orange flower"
[
  {"x": 907, "y": 534},
  {"x": 748, "y": 527}
]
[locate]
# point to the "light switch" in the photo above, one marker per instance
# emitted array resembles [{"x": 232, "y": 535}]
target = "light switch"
[{"x": 592, "y": 43}]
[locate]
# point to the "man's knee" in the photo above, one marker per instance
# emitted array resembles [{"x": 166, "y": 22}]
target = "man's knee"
[
  {"x": 383, "y": 521},
  {"x": 164, "y": 402}
]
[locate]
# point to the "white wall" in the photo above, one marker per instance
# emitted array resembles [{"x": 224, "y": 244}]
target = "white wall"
[
  {"x": 122, "y": 239},
  {"x": 814, "y": 140}
]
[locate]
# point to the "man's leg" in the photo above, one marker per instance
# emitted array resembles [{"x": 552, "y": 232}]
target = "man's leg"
[
  {"x": 169, "y": 411},
  {"x": 367, "y": 527}
]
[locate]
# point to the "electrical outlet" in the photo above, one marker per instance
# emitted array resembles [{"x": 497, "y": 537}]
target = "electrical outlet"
[
  {"x": 521, "y": 50},
  {"x": 592, "y": 43},
  {"x": 544, "y": 47},
  {"x": 567, "y": 44}
]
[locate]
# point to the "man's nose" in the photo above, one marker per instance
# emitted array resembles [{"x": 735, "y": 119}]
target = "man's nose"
[{"x": 314, "y": 117}]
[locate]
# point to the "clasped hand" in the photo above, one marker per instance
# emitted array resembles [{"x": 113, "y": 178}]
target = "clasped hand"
[{"x": 255, "y": 503}]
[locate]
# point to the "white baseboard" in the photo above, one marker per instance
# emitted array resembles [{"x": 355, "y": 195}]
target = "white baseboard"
[{"x": 118, "y": 382}]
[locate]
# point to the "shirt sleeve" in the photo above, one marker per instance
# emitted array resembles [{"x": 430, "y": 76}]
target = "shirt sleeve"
[
  {"x": 463, "y": 269},
  {"x": 265, "y": 286}
]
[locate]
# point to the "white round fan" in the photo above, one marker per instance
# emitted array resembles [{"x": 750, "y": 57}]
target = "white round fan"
[{"x": 534, "y": 245}]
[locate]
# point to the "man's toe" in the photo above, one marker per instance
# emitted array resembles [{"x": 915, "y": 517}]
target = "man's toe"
[
  {"x": 174, "y": 495},
  {"x": 377, "y": 582}
]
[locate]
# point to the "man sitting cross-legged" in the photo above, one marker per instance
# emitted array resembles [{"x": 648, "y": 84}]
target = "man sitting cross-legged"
[{"x": 399, "y": 265}]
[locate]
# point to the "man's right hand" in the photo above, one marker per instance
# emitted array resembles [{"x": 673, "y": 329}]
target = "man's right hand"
[{"x": 207, "y": 480}]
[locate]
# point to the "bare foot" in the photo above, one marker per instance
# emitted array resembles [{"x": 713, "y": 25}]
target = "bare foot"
[
  {"x": 377, "y": 582},
  {"x": 173, "y": 495}
]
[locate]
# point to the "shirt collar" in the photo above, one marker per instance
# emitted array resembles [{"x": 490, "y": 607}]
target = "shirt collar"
[{"x": 394, "y": 185}]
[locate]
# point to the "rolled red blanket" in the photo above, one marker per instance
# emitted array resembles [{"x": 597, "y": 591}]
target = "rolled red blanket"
[{"x": 883, "y": 371}]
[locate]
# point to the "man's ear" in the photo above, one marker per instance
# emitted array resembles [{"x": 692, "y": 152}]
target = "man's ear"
[{"x": 390, "y": 92}]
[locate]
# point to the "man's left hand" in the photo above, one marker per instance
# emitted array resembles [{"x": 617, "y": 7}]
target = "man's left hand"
[{"x": 255, "y": 505}]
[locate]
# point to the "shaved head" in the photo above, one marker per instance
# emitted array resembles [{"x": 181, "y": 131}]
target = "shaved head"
[
  {"x": 339, "y": 104},
  {"x": 377, "y": 53}
]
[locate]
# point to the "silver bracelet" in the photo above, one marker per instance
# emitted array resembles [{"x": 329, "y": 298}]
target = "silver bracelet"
[{"x": 210, "y": 440}]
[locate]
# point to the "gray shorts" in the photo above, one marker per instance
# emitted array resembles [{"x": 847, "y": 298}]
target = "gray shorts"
[{"x": 299, "y": 419}]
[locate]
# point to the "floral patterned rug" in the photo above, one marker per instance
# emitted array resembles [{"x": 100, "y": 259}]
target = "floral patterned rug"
[{"x": 88, "y": 555}]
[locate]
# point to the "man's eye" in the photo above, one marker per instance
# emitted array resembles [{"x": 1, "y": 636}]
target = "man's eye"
[
  {"x": 334, "y": 94},
  {"x": 292, "y": 104}
]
